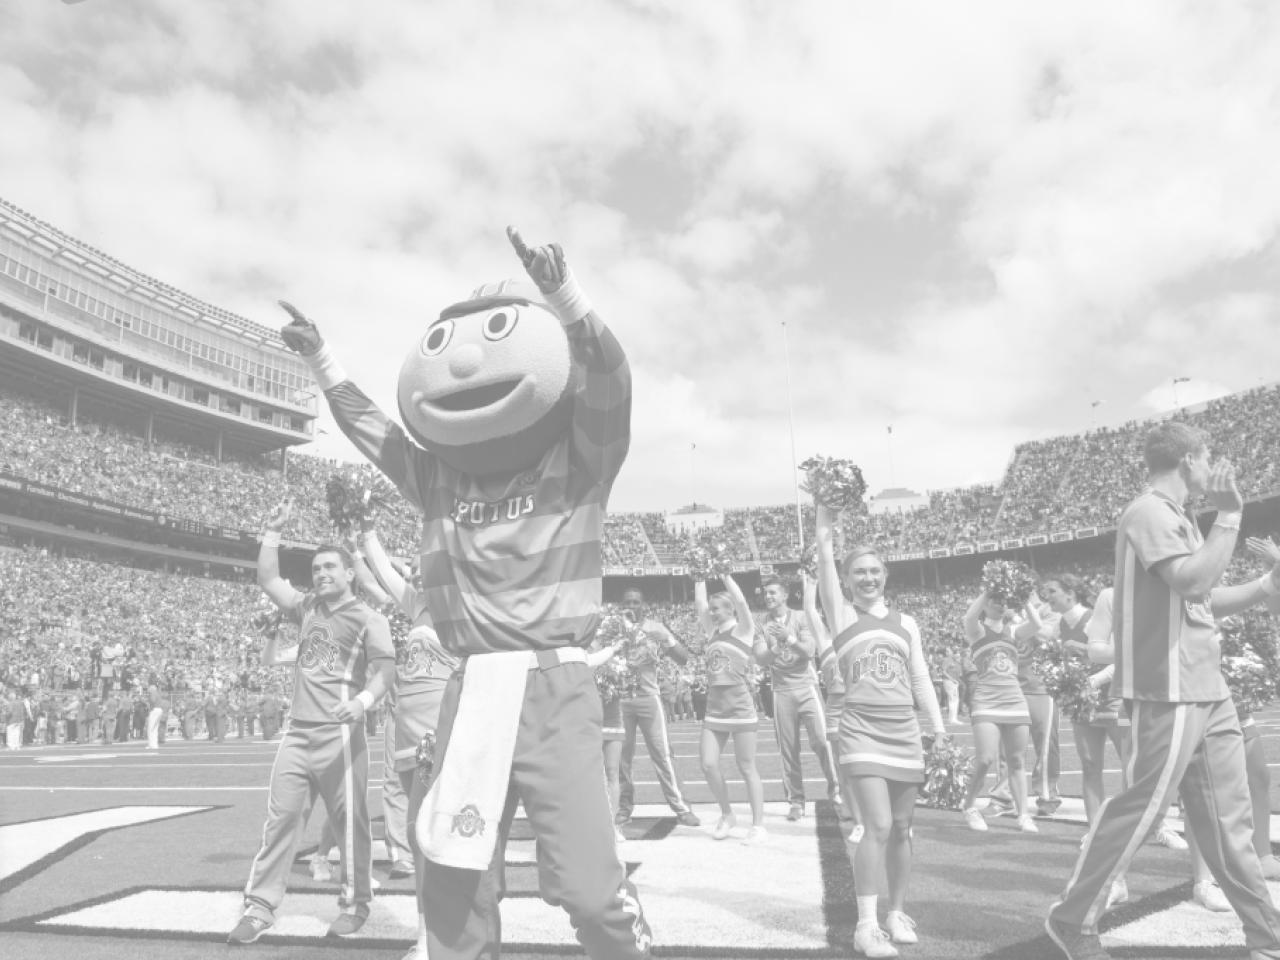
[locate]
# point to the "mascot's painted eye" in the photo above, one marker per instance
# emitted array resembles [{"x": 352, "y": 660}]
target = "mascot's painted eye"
[
  {"x": 437, "y": 338},
  {"x": 499, "y": 324}
]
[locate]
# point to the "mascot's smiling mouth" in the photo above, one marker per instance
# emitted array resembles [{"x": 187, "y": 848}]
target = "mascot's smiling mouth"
[{"x": 476, "y": 398}]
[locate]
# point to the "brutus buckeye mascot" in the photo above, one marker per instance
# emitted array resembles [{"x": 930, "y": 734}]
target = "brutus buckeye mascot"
[{"x": 517, "y": 408}]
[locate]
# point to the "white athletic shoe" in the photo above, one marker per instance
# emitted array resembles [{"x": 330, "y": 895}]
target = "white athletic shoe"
[
  {"x": 870, "y": 940},
  {"x": 1118, "y": 894},
  {"x": 619, "y": 836},
  {"x": 723, "y": 826},
  {"x": 901, "y": 928},
  {"x": 1209, "y": 895},
  {"x": 320, "y": 870},
  {"x": 1027, "y": 824},
  {"x": 855, "y": 835},
  {"x": 755, "y": 835},
  {"x": 973, "y": 817},
  {"x": 1168, "y": 837}
]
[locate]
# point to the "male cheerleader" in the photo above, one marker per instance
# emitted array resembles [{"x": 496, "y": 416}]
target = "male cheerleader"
[
  {"x": 344, "y": 663},
  {"x": 785, "y": 644},
  {"x": 644, "y": 712},
  {"x": 1184, "y": 725}
]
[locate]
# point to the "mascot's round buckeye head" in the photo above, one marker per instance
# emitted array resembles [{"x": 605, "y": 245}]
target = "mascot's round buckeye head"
[{"x": 488, "y": 387}]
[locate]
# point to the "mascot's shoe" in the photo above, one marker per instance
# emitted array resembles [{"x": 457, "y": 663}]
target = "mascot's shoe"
[
  {"x": 248, "y": 930},
  {"x": 687, "y": 818},
  {"x": 347, "y": 924}
]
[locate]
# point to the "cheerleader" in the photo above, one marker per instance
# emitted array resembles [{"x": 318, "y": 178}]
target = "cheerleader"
[
  {"x": 1093, "y": 727},
  {"x": 880, "y": 658},
  {"x": 847, "y": 809},
  {"x": 598, "y": 654},
  {"x": 727, "y": 623},
  {"x": 997, "y": 705}
]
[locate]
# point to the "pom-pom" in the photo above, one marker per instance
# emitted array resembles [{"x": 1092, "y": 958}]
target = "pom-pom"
[
  {"x": 708, "y": 555},
  {"x": 351, "y": 501},
  {"x": 809, "y": 557},
  {"x": 836, "y": 484},
  {"x": 1008, "y": 582},
  {"x": 614, "y": 678},
  {"x": 1249, "y": 660},
  {"x": 425, "y": 758},
  {"x": 1066, "y": 678},
  {"x": 946, "y": 775}
]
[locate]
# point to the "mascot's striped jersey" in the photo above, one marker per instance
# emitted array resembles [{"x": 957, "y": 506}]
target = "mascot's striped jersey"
[{"x": 512, "y": 561}]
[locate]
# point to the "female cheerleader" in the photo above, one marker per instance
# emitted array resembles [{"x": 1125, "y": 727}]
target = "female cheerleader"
[
  {"x": 730, "y": 631},
  {"x": 997, "y": 706},
  {"x": 847, "y": 811},
  {"x": 881, "y": 661},
  {"x": 612, "y": 729}
]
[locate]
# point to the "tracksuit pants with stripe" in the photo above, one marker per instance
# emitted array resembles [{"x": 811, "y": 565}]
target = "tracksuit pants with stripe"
[
  {"x": 557, "y": 772},
  {"x": 395, "y": 801},
  {"x": 792, "y": 709},
  {"x": 646, "y": 715},
  {"x": 1199, "y": 745},
  {"x": 332, "y": 760}
]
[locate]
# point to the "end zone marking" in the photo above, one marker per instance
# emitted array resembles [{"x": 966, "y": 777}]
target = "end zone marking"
[
  {"x": 701, "y": 896},
  {"x": 28, "y": 847}
]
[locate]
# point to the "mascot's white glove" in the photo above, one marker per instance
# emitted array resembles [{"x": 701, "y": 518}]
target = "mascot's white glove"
[
  {"x": 546, "y": 267},
  {"x": 303, "y": 337}
]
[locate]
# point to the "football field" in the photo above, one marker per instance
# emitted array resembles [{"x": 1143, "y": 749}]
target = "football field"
[{"x": 114, "y": 851}]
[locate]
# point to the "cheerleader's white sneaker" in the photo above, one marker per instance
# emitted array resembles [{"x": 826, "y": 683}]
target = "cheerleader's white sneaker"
[
  {"x": 974, "y": 819},
  {"x": 723, "y": 826},
  {"x": 870, "y": 940},
  {"x": 900, "y": 927}
]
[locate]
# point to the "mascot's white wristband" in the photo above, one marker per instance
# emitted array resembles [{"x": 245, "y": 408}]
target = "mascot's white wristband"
[
  {"x": 366, "y": 698},
  {"x": 325, "y": 366},
  {"x": 1267, "y": 585},
  {"x": 271, "y": 538},
  {"x": 568, "y": 301}
]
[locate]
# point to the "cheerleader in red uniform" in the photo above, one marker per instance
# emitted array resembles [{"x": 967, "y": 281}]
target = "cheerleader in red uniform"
[
  {"x": 997, "y": 706},
  {"x": 731, "y": 712},
  {"x": 880, "y": 657}
]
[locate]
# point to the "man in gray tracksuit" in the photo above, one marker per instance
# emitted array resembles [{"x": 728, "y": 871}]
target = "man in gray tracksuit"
[{"x": 785, "y": 644}]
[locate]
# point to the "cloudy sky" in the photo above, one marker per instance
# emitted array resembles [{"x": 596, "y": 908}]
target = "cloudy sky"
[{"x": 975, "y": 220}]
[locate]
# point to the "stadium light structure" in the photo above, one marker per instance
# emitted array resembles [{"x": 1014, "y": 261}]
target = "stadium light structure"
[{"x": 791, "y": 419}]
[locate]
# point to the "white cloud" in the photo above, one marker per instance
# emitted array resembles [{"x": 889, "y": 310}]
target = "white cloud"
[{"x": 1092, "y": 188}]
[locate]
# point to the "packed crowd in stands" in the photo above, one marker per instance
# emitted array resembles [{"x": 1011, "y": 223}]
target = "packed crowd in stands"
[{"x": 1053, "y": 484}]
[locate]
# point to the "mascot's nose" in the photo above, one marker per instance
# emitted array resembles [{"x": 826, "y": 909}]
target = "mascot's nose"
[{"x": 465, "y": 360}]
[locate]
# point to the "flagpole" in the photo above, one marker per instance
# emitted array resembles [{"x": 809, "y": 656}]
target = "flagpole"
[
  {"x": 791, "y": 419},
  {"x": 893, "y": 482}
]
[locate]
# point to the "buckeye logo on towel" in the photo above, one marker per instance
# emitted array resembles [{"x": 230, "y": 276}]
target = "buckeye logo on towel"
[{"x": 467, "y": 822}]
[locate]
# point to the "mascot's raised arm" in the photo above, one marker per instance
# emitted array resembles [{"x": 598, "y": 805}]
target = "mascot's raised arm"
[{"x": 516, "y": 405}]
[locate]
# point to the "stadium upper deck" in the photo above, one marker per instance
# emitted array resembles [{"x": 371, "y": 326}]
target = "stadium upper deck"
[{"x": 87, "y": 327}]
